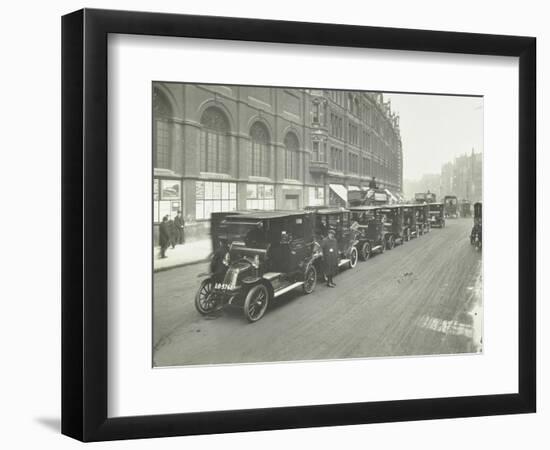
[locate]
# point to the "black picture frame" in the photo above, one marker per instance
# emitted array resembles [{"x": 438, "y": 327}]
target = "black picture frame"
[{"x": 84, "y": 224}]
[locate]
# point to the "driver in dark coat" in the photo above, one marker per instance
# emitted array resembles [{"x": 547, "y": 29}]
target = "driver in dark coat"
[
  {"x": 164, "y": 236},
  {"x": 329, "y": 246}
]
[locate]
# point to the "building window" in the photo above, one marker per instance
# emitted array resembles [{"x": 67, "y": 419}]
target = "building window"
[
  {"x": 353, "y": 163},
  {"x": 292, "y": 157},
  {"x": 316, "y": 113},
  {"x": 167, "y": 198},
  {"x": 353, "y": 133},
  {"x": 319, "y": 151},
  {"x": 366, "y": 167},
  {"x": 259, "y": 151},
  {"x": 316, "y": 145},
  {"x": 162, "y": 113},
  {"x": 316, "y": 196},
  {"x": 336, "y": 159},
  {"x": 214, "y": 196},
  {"x": 260, "y": 196},
  {"x": 214, "y": 141},
  {"x": 336, "y": 126}
]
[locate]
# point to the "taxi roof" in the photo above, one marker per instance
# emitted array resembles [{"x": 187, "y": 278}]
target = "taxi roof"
[
  {"x": 263, "y": 215},
  {"x": 329, "y": 210},
  {"x": 364, "y": 208}
]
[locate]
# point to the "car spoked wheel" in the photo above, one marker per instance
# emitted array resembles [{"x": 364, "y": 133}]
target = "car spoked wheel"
[
  {"x": 390, "y": 243},
  {"x": 310, "y": 280},
  {"x": 353, "y": 257},
  {"x": 365, "y": 251},
  {"x": 205, "y": 303},
  {"x": 255, "y": 303}
]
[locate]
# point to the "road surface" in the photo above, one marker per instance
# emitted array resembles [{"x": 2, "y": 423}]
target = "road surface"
[{"x": 421, "y": 298}]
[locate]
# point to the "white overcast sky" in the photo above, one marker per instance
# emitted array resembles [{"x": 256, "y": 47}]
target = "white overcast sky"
[{"x": 435, "y": 129}]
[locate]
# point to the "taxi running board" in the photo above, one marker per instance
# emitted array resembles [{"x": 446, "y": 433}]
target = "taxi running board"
[
  {"x": 288, "y": 288},
  {"x": 376, "y": 247},
  {"x": 343, "y": 261}
]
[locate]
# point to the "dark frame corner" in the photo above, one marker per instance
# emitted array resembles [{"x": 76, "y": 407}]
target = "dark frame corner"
[{"x": 84, "y": 224}]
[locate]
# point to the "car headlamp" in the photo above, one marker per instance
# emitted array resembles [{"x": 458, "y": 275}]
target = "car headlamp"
[
  {"x": 256, "y": 262},
  {"x": 226, "y": 259}
]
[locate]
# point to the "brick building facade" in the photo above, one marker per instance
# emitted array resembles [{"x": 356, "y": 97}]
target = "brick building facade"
[{"x": 220, "y": 148}]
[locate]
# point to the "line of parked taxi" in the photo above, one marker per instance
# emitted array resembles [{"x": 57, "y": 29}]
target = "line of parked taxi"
[{"x": 261, "y": 255}]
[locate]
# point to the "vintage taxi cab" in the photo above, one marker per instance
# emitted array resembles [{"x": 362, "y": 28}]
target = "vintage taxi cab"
[
  {"x": 423, "y": 218},
  {"x": 371, "y": 236},
  {"x": 267, "y": 254},
  {"x": 437, "y": 214},
  {"x": 451, "y": 206},
  {"x": 338, "y": 219},
  {"x": 476, "y": 234},
  {"x": 410, "y": 222},
  {"x": 393, "y": 220}
]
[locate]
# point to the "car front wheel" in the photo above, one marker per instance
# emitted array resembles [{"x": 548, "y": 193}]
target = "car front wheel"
[
  {"x": 256, "y": 302},
  {"x": 204, "y": 301},
  {"x": 353, "y": 257},
  {"x": 365, "y": 251},
  {"x": 310, "y": 280}
]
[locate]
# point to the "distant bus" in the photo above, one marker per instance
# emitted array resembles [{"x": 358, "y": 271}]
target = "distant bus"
[
  {"x": 451, "y": 206},
  {"x": 425, "y": 197},
  {"x": 370, "y": 197}
]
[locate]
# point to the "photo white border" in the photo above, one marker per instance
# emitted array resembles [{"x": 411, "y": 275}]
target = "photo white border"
[{"x": 137, "y": 389}]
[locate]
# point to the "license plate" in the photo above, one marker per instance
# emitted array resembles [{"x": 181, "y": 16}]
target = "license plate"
[{"x": 222, "y": 286}]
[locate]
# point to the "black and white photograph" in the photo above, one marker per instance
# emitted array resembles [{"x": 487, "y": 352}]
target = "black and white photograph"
[{"x": 303, "y": 224}]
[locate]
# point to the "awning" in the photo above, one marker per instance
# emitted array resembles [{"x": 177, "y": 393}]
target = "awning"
[
  {"x": 340, "y": 190},
  {"x": 353, "y": 188}
]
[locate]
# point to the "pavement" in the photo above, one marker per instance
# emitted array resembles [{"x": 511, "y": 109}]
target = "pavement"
[
  {"x": 421, "y": 298},
  {"x": 192, "y": 252}
]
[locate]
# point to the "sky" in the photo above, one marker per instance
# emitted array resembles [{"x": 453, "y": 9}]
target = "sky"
[{"x": 435, "y": 129}]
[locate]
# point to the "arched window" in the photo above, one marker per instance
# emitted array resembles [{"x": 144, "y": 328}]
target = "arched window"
[
  {"x": 292, "y": 157},
  {"x": 259, "y": 150},
  {"x": 162, "y": 132},
  {"x": 214, "y": 141}
]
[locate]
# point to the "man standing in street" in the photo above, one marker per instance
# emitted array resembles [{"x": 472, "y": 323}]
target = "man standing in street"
[
  {"x": 164, "y": 236},
  {"x": 329, "y": 245},
  {"x": 173, "y": 232},
  {"x": 179, "y": 222}
]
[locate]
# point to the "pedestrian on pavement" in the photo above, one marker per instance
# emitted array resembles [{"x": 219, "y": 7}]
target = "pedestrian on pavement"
[
  {"x": 179, "y": 222},
  {"x": 173, "y": 232},
  {"x": 329, "y": 246},
  {"x": 164, "y": 236}
]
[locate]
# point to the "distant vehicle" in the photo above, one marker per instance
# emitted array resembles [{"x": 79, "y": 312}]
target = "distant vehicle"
[
  {"x": 451, "y": 206},
  {"x": 437, "y": 215},
  {"x": 476, "y": 234},
  {"x": 392, "y": 218},
  {"x": 465, "y": 209},
  {"x": 425, "y": 197},
  {"x": 338, "y": 219},
  {"x": 267, "y": 253},
  {"x": 370, "y": 197},
  {"x": 371, "y": 235},
  {"x": 410, "y": 225},
  {"x": 423, "y": 218}
]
